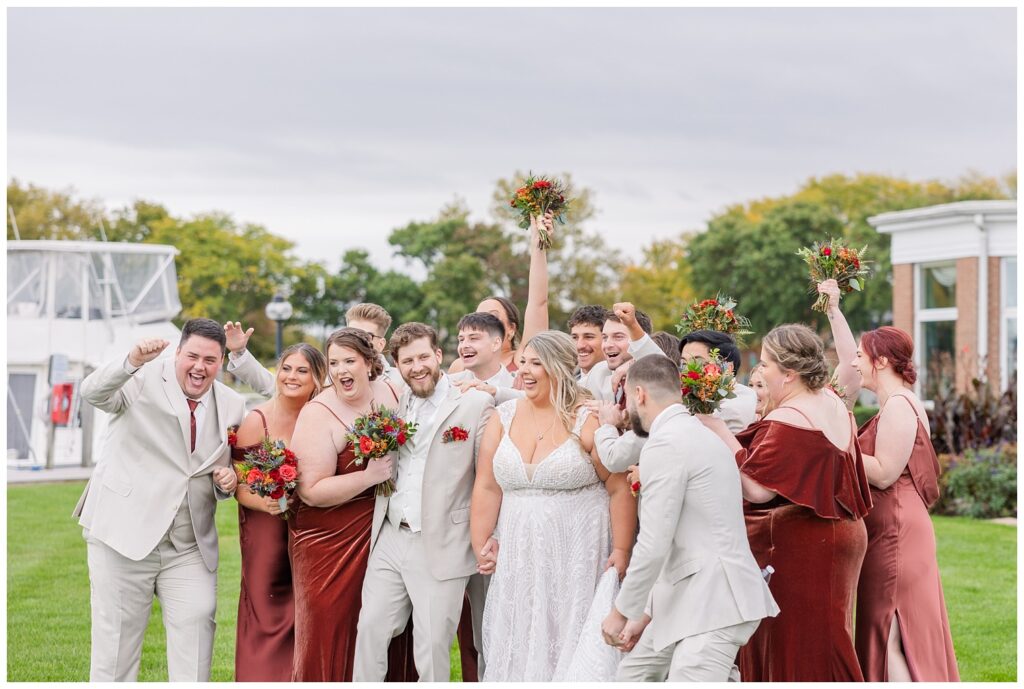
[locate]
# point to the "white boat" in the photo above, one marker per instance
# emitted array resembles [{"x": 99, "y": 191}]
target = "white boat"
[{"x": 71, "y": 307}]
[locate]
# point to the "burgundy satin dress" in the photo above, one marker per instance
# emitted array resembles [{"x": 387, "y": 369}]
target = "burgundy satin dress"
[
  {"x": 900, "y": 575},
  {"x": 330, "y": 548},
  {"x": 812, "y": 533},
  {"x": 264, "y": 634}
]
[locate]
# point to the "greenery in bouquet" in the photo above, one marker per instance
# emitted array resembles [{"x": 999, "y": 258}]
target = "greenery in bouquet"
[
  {"x": 717, "y": 314},
  {"x": 537, "y": 196},
  {"x": 374, "y": 435},
  {"x": 705, "y": 383},
  {"x": 834, "y": 260},
  {"x": 269, "y": 470}
]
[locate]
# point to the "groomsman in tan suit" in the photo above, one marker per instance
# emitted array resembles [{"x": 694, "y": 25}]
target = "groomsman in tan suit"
[
  {"x": 148, "y": 511},
  {"x": 421, "y": 557},
  {"x": 693, "y": 594}
]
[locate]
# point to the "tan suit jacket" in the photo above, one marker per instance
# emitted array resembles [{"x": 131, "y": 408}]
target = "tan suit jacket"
[
  {"x": 448, "y": 478},
  {"x": 146, "y": 467},
  {"x": 692, "y": 562}
]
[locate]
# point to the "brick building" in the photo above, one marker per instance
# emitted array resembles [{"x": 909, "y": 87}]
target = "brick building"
[{"x": 955, "y": 285}]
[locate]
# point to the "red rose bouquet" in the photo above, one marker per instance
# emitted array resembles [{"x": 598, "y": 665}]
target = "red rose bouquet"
[
  {"x": 270, "y": 470},
  {"x": 376, "y": 434},
  {"x": 705, "y": 383},
  {"x": 717, "y": 314},
  {"x": 537, "y": 196},
  {"x": 834, "y": 260}
]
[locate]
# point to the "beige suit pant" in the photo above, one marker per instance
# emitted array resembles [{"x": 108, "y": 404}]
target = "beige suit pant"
[
  {"x": 707, "y": 657},
  {"x": 399, "y": 584},
  {"x": 121, "y": 597}
]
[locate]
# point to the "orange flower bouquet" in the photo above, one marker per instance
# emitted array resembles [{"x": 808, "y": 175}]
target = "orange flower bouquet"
[{"x": 705, "y": 383}]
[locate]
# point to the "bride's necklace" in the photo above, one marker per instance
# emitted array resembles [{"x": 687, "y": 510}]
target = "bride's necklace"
[{"x": 533, "y": 413}]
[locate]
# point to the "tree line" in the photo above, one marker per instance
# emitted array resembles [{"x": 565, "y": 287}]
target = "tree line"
[{"x": 230, "y": 270}]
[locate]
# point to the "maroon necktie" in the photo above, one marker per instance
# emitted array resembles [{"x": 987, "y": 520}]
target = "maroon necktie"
[{"x": 192, "y": 404}]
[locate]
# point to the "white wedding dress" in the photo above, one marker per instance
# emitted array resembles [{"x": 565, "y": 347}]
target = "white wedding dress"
[{"x": 547, "y": 596}]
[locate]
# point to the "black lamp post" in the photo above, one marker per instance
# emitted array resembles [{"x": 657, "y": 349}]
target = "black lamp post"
[{"x": 279, "y": 310}]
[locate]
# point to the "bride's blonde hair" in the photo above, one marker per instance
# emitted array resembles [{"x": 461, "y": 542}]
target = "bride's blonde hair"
[{"x": 557, "y": 355}]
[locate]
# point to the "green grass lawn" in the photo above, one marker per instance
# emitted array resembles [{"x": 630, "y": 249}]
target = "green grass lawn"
[{"x": 48, "y": 593}]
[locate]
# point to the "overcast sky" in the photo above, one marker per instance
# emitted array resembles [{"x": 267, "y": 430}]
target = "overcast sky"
[{"x": 334, "y": 126}]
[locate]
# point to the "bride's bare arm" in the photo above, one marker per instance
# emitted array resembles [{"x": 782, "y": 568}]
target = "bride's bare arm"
[
  {"x": 621, "y": 504},
  {"x": 486, "y": 501},
  {"x": 317, "y": 440}
]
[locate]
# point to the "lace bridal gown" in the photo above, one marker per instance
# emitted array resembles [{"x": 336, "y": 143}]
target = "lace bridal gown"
[{"x": 549, "y": 591}]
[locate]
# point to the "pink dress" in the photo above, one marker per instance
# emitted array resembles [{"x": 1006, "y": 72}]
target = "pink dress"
[{"x": 900, "y": 574}]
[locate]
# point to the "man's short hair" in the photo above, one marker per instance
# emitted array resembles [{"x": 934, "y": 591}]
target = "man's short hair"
[
  {"x": 370, "y": 312},
  {"x": 657, "y": 374},
  {"x": 484, "y": 322},
  {"x": 723, "y": 342},
  {"x": 204, "y": 327},
  {"x": 592, "y": 314},
  {"x": 409, "y": 332},
  {"x": 642, "y": 318}
]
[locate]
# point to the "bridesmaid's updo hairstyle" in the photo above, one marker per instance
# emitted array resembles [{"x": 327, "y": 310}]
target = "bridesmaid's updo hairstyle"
[
  {"x": 796, "y": 347},
  {"x": 511, "y": 313},
  {"x": 358, "y": 341},
  {"x": 557, "y": 354},
  {"x": 896, "y": 346},
  {"x": 316, "y": 360}
]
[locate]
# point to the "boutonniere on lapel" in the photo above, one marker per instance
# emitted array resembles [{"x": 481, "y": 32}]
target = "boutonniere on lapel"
[
  {"x": 232, "y": 436},
  {"x": 454, "y": 434}
]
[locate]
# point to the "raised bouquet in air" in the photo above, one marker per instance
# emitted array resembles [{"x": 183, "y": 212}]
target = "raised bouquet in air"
[
  {"x": 270, "y": 470},
  {"x": 705, "y": 383},
  {"x": 537, "y": 196},
  {"x": 374, "y": 435},
  {"x": 717, "y": 314},
  {"x": 834, "y": 260}
]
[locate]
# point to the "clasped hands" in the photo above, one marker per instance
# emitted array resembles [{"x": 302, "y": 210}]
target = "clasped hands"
[{"x": 622, "y": 633}]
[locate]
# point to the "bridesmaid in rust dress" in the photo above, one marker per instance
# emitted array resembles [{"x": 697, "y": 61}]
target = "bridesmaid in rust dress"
[
  {"x": 805, "y": 496},
  {"x": 330, "y": 531},
  {"x": 266, "y": 617},
  {"x": 902, "y": 628}
]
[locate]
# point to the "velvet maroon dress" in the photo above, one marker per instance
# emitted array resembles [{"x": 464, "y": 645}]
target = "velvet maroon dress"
[
  {"x": 330, "y": 548},
  {"x": 812, "y": 534},
  {"x": 900, "y": 575},
  {"x": 264, "y": 634}
]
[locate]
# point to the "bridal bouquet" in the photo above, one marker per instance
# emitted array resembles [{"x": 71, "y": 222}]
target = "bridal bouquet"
[
  {"x": 374, "y": 435},
  {"x": 705, "y": 383},
  {"x": 537, "y": 196},
  {"x": 836, "y": 261},
  {"x": 270, "y": 470},
  {"x": 717, "y": 314}
]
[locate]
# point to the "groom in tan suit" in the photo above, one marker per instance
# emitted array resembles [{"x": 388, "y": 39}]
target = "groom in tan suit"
[
  {"x": 148, "y": 511},
  {"x": 693, "y": 593},
  {"x": 421, "y": 557}
]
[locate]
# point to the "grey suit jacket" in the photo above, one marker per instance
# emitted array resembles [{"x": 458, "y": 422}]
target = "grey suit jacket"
[
  {"x": 146, "y": 468},
  {"x": 692, "y": 560},
  {"x": 448, "y": 479}
]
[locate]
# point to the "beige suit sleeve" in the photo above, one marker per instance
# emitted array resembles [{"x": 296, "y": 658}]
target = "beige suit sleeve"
[
  {"x": 645, "y": 346},
  {"x": 111, "y": 388},
  {"x": 663, "y": 484},
  {"x": 616, "y": 452},
  {"x": 247, "y": 369}
]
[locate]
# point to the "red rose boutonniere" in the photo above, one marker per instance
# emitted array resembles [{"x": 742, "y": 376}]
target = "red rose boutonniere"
[
  {"x": 454, "y": 434},
  {"x": 232, "y": 436}
]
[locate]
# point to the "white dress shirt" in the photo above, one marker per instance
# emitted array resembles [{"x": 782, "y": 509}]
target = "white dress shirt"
[{"x": 406, "y": 502}]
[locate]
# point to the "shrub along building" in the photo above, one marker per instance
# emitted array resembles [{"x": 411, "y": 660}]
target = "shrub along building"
[{"x": 955, "y": 287}]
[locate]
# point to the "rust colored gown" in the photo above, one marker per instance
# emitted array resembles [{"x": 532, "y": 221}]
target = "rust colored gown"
[
  {"x": 265, "y": 632},
  {"x": 900, "y": 575},
  {"x": 812, "y": 533},
  {"x": 330, "y": 548}
]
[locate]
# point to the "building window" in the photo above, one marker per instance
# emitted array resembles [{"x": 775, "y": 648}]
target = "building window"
[
  {"x": 1008, "y": 337},
  {"x": 935, "y": 317}
]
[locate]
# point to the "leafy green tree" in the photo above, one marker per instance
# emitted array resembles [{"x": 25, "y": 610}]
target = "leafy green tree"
[{"x": 660, "y": 283}]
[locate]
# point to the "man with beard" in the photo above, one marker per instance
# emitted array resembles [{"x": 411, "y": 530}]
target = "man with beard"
[
  {"x": 421, "y": 556},
  {"x": 693, "y": 594}
]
